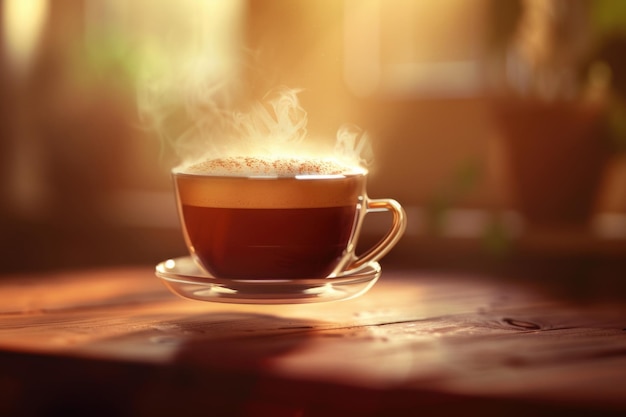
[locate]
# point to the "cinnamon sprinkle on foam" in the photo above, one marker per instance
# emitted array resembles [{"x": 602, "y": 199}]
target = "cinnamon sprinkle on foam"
[{"x": 282, "y": 167}]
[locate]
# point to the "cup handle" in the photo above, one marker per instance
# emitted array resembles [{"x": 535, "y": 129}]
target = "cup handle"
[{"x": 388, "y": 241}]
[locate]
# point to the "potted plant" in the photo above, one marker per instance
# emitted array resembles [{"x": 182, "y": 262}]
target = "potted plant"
[{"x": 559, "y": 111}]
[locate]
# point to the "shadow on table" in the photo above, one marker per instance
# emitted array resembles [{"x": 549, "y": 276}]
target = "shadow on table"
[{"x": 235, "y": 340}]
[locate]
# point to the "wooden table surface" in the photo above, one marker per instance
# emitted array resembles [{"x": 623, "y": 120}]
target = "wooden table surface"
[{"x": 117, "y": 342}]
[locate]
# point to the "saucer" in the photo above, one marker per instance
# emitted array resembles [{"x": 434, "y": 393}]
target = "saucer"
[{"x": 183, "y": 277}]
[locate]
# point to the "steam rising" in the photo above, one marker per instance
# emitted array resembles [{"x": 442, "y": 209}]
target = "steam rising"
[
  {"x": 193, "y": 93},
  {"x": 276, "y": 122},
  {"x": 273, "y": 127}
]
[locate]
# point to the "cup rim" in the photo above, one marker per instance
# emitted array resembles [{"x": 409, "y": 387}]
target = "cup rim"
[
  {"x": 341, "y": 167},
  {"x": 358, "y": 172}
]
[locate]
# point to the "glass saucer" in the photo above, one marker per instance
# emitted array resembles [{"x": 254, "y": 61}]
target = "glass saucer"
[{"x": 183, "y": 277}]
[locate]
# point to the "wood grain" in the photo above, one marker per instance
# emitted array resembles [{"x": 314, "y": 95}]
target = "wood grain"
[{"x": 456, "y": 336}]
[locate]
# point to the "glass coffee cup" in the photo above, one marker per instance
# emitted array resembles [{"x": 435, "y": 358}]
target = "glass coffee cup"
[{"x": 256, "y": 219}]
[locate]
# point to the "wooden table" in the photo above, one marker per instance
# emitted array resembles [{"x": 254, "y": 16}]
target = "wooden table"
[{"x": 116, "y": 342}]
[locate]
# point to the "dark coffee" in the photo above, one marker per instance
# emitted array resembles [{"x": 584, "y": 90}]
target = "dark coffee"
[
  {"x": 282, "y": 221},
  {"x": 269, "y": 243}
]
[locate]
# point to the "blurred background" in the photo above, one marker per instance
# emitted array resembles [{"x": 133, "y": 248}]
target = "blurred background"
[{"x": 499, "y": 126}]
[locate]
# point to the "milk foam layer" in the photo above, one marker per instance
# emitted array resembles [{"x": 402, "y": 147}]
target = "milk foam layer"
[
  {"x": 269, "y": 192},
  {"x": 244, "y": 166}
]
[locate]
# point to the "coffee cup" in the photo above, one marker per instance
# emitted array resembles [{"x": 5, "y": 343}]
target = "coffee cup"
[{"x": 249, "y": 218}]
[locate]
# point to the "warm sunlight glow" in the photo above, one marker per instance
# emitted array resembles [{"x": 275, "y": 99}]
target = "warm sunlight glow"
[
  {"x": 414, "y": 47},
  {"x": 202, "y": 37},
  {"x": 362, "y": 65},
  {"x": 23, "y": 21}
]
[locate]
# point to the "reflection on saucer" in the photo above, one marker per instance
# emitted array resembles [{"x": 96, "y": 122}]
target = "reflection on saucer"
[{"x": 183, "y": 277}]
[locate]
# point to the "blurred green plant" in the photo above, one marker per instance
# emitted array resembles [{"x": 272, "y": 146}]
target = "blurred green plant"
[
  {"x": 111, "y": 57},
  {"x": 607, "y": 16},
  {"x": 109, "y": 54},
  {"x": 496, "y": 237},
  {"x": 608, "y": 22},
  {"x": 462, "y": 180}
]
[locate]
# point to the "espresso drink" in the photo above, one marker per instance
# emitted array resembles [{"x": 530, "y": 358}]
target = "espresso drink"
[{"x": 250, "y": 218}]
